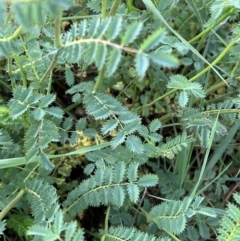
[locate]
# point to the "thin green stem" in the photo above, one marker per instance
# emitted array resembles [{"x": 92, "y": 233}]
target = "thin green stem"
[
  {"x": 221, "y": 112},
  {"x": 4, "y": 83},
  {"x": 104, "y": 8},
  {"x": 160, "y": 98},
  {"x": 130, "y": 5},
  {"x": 30, "y": 60},
  {"x": 224, "y": 52},
  {"x": 8, "y": 18},
  {"x": 73, "y": 18},
  {"x": 70, "y": 107},
  {"x": 18, "y": 161},
  {"x": 172, "y": 235},
  {"x": 11, "y": 204},
  {"x": 13, "y": 36},
  {"x": 112, "y": 12},
  {"x": 216, "y": 86},
  {"x": 57, "y": 30},
  {"x": 49, "y": 84},
  {"x": 114, "y": 7},
  {"x": 157, "y": 13},
  {"x": 204, "y": 164},
  {"x": 208, "y": 29},
  {"x": 9, "y": 66},
  {"x": 99, "y": 79},
  {"x": 236, "y": 67},
  {"x": 50, "y": 68},
  {"x": 107, "y": 217},
  {"x": 24, "y": 79}
]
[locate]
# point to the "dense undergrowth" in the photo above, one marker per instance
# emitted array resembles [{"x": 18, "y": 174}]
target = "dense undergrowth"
[{"x": 119, "y": 120}]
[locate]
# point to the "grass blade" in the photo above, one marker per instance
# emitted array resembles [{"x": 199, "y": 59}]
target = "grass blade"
[
  {"x": 13, "y": 162},
  {"x": 154, "y": 10}
]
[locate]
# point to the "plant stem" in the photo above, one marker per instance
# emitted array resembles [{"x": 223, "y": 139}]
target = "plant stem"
[
  {"x": 156, "y": 12},
  {"x": 70, "y": 107},
  {"x": 50, "y": 68},
  {"x": 112, "y": 12},
  {"x": 18, "y": 161},
  {"x": 107, "y": 217},
  {"x": 172, "y": 235},
  {"x": 8, "y": 18},
  {"x": 11, "y": 204},
  {"x": 57, "y": 30},
  {"x": 114, "y": 7},
  {"x": 104, "y": 8},
  {"x": 99, "y": 79},
  {"x": 216, "y": 86},
  {"x": 208, "y": 29},
  {"x": 49, "y": 84},
  {"x": 13, "y": 36},
  {"x": 224, "y": 52},
  {"x": 93, "y": 16},
  {"x": 221, "y": 112},
  {"x": 24, "y": 79}
]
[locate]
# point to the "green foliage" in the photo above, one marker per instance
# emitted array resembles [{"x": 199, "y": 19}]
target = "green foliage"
[
  {"x": 58, "y": 230},
  {"x": 172, "y": 147},
  {"x": 229, "y": 224},
  {"x": 112, "y": 124},
  {"x": 172, "y": 216},
  {"x": 108, "y": 186},
  {"x": 128, "y": 234},
  {"x": 20, "y": 223},
  {"x": 2, "y": 226},
  {"x": 96, "y": 45},
  {"x": 181, "y": 83}
]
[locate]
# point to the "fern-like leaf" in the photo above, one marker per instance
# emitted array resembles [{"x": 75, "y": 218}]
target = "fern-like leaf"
[
  {"x": 41, "y": 196},
  {"x": 69, "y": 231},
  {"x": 229, "y": 225},
  {"x": 128, "y": 234},
  {"x": 169, "y": 216},
  {"x": 181, "y": 82},
  {"x": 2, "y": 226},
  {"x": 107, "y": 186},
  {"x": 174, "y": 146}
]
